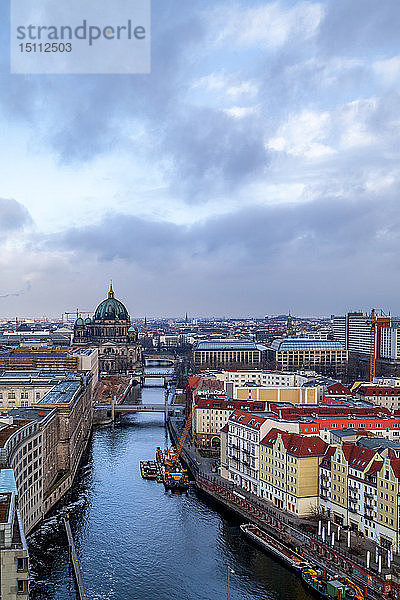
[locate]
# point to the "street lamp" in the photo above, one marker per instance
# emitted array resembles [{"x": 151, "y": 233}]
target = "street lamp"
[{"x": 228, "y": 573}]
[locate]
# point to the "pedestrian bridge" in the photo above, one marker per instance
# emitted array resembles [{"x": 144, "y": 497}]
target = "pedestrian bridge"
[
  {"x": 135, "y": 407},
  {"x": 158, "y": 374}
]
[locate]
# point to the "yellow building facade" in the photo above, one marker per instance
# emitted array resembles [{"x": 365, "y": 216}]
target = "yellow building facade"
[
  {"x": 292, "y": 395},
  {"x": 289, "y": 471}
]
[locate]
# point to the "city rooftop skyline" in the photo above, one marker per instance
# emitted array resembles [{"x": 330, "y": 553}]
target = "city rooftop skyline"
[{"x": 255, "y": 170}]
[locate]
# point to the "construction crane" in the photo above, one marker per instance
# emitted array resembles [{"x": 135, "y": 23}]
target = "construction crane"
[
  {"x": 372, "y": 352},
  {"x": 78, "y": 313},
  {"x": 183, "y": 437},
  {"x": 376, "y": 322}
]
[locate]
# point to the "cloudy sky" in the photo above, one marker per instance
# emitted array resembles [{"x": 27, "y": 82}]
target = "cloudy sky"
[{"x": 255, "y": 170}]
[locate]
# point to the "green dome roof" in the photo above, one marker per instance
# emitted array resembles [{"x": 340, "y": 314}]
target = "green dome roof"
[
  {"x": 133, "y": 328},
  {"x": 111, "y": 309},
  {"x": 79, "y": 321}
]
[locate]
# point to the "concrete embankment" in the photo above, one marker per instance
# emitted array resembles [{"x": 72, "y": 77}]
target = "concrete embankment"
[{"x": 292, "y": 531}]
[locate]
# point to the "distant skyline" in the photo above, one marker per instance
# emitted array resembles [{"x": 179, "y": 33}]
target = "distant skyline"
[{"x": 255, "y": 170}]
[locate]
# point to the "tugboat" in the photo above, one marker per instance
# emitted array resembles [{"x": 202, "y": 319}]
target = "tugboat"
[
  {"x": 340, "y": 588},
  {"x": 275, "y": 547}
]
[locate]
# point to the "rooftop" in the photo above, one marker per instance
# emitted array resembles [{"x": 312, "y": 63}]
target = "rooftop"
[
  {"x": 63, "y": 392},
  {"x": 9, "y": 430},
  {"x": 7, "y": 481},
  {"x": 229, "y": 345},
  {"x": 5, "y": 502},
  {"x": 299, "y": 344},
  {"x": 247, "y": 419},
  {"x": 297, "y": 445}
]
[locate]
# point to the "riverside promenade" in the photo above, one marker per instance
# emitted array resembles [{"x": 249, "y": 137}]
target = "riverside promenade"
[{"x": 378, "y": 581}]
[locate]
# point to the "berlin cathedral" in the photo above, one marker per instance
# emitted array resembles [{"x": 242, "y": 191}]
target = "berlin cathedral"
[{"x": 111, "y": 331}]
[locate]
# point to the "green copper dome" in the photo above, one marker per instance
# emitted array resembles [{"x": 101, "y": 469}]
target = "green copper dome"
[{"x": 111, "y": 309}]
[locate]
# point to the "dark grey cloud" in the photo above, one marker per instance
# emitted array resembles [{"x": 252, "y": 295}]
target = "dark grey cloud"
[
  {"x": 334, "y": 252},
  {"x": 331, "y": 228},
  {"x": 13, "y": 216},
  {"x": 211, "y": 151}
]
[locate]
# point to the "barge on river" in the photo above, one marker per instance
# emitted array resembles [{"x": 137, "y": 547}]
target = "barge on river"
[
  {"x": 273, "y": 546},
  {"x": 149, "y": 469},
  {"x": 173, "y": 474},
  {"x": 331, "y": 588}
]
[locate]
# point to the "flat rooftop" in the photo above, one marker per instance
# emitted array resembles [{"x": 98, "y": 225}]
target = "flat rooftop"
[
  {"x": 229, "y": 345},
  {"x": 7, "y": 481},
  {"x": 5, "y": 502},
  {"x": 30, "y": 413},
  {"x": 62, "y": 393}
]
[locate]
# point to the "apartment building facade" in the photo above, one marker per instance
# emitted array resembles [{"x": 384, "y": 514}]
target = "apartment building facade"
[
  {"x": 289, "y": 471},
  {"x": 212, "y": 414},
  {"x": 381, "y": 395},
  {"x": 359, "y": 488},
  {"x": 245, "y": 432}
]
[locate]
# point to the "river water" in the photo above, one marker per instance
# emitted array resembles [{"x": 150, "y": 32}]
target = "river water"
[{"x": 135, "y": 541}]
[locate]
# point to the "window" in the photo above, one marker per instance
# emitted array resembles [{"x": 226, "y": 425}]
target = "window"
[
  {"x": 21, "y": 564},
  {"x": 22, "y": 586}
]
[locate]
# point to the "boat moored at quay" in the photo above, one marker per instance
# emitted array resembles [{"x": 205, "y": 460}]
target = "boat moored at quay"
[
  {"x": 291, "y": 558},
  {"x": 173, "y": 474},
  {"x": 331, "y": 587}
]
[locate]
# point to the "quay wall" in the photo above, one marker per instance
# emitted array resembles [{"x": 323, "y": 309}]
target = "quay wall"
[{"x": 279, "y": 524}]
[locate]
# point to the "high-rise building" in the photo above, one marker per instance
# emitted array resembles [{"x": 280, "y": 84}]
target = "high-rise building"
[{"x": 353, "y": 331}]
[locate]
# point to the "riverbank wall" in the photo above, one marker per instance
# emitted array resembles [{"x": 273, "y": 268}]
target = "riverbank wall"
[{"x": 292, "y": 531}]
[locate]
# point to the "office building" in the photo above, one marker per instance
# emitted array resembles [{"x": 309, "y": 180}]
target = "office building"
[
  {"x": 323, "y": 356},
  {"x": 217, "y": 354}
]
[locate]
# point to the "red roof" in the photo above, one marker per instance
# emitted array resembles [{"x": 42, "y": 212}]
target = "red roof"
[
  {"x": 357, "y": 456},
  {"x": 378, "y": 391},
  {"x": 330, "y": 452},
  {"x": 295, "y": 444},
  {"x": 225, "y": 428},
  {"x": 193, "y": 381},
  {"x": 375, "y": 467},
  {"x": 222, "y": 403},
  {"x": 247, "y": 419},
  {"x": 395, "y": 464},
  {"x": 338, "y": 389}
]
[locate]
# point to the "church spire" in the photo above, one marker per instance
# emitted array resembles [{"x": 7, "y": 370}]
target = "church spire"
[{"x": 111, "y": 291}]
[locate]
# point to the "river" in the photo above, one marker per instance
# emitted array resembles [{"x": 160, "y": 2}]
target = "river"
[{"x": 137, "y": 542}]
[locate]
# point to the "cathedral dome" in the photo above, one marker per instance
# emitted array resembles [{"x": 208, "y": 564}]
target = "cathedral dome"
[{"x": 111, "y": 309}]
